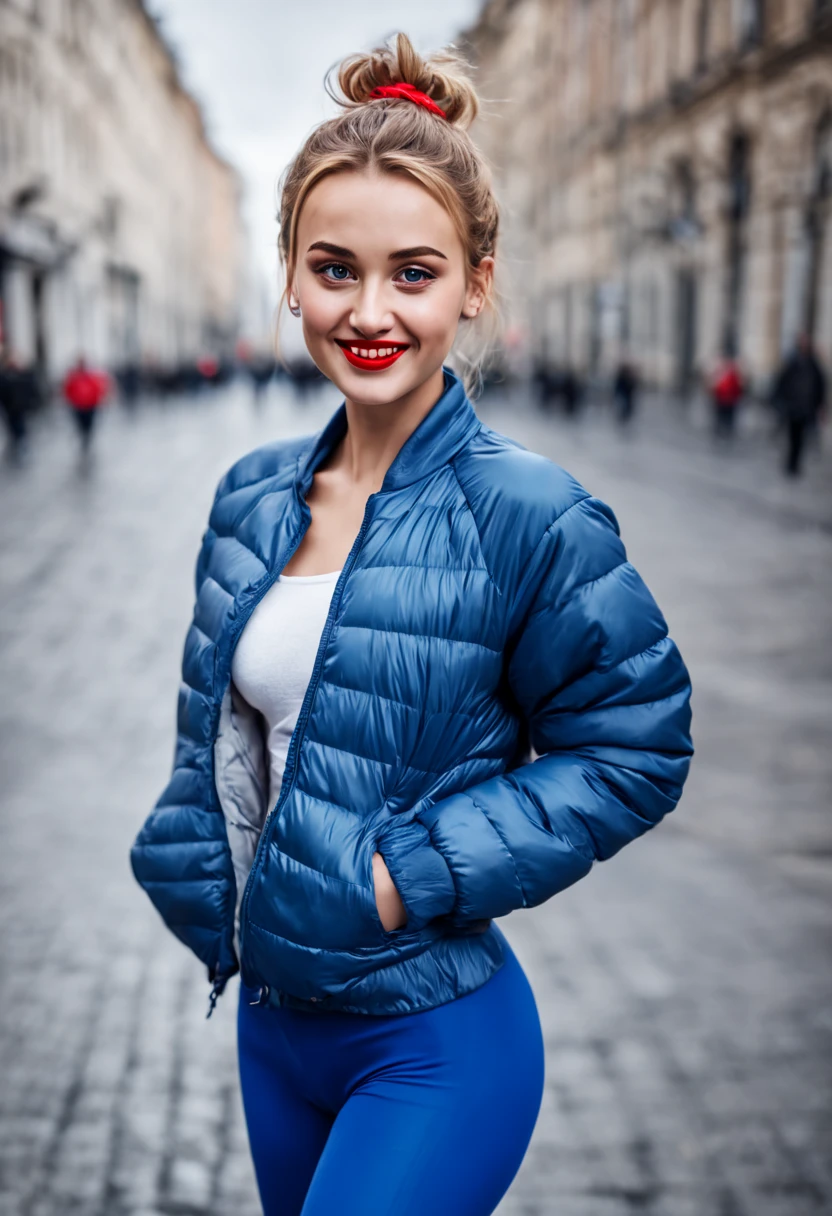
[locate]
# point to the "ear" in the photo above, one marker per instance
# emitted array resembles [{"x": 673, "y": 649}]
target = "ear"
[
  {"x": 292, "y": 298},
  {"x": 478, "y": 291}
]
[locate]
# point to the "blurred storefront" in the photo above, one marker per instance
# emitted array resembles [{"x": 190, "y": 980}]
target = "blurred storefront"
[
  {"x": 665, "y": 170},
  {"x": 120, "y": 229}
]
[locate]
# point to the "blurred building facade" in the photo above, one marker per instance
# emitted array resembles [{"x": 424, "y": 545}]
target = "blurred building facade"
[
  {"x": 120, "y": 227},
  {"x": 665, "y": 171}
]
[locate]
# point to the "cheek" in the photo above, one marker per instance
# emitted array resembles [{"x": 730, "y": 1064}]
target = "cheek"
[
  {"x": 434, "y": 316},
  {"x": 320, "y": 309}
]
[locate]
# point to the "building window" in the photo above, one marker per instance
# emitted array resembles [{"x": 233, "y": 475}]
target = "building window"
[
  {"x": 703, "y": 25},
  {"x": 739, "y": 177},
  {"x": 750, "y": 15},
  {"x": 817, "y": 221},
  {"x": 681, "y": 223},
  {"x": 739, "y": 204},
  {"x": 684, "y": 191},
  {"x": 651, "y": 313}
]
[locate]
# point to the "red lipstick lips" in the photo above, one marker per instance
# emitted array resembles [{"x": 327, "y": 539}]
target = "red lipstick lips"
[{"x": 374, "y": 356}]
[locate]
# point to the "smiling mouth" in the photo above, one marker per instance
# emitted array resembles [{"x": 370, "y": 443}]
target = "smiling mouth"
[{"x": 372, "y": 356}]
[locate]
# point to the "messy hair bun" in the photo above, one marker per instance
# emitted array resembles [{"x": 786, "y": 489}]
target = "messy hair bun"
[
  {"x": 391, "y": 134},
  {"x": 442, "y": 76}
]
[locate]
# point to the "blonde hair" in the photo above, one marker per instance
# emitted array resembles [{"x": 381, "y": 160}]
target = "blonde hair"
[{"x": 392, "y": 135}]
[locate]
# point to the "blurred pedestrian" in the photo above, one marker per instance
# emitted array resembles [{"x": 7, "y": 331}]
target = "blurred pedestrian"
[
  {"x": 727, "y": 389},
  {"x": 571, "y": 392},
  {"x": 546, "y": 383},
  {"x": 207, "y": 372},
  {"x": 624, "y": 389},
  {"x": 19, "y": 397},
  {"x": 129, "y": 382},
  {"x": 335, "y": 826},
  {"x": 261, "y": 369},
  {"x": 305, "y": 376},
  {"x": 85, "y": 391},
  {"x": 800, "y": 397}
]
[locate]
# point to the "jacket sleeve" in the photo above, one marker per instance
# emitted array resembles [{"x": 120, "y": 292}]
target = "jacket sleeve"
[
  {"x": 180, "y": 856},
  {"x": 606, "y": 697}
]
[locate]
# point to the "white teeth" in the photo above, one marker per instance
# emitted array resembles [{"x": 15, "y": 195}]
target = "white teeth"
[{"x": 379, "y": 352}]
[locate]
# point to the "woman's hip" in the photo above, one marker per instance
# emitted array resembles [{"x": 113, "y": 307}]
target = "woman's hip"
[{"x": 488, "y": 1042}]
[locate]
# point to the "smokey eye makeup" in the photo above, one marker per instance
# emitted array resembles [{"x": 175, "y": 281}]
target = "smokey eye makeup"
[{"x": 339, "y": 272}]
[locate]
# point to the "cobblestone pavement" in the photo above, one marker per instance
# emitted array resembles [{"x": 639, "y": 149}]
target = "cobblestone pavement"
[{"x": 684, "y": 987}]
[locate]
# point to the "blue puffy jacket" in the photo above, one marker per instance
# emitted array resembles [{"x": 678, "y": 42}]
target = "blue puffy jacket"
[{"x": 486, "y": 608}]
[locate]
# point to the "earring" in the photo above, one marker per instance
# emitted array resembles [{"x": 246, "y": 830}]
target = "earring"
[{"x": 294, "y": 309}]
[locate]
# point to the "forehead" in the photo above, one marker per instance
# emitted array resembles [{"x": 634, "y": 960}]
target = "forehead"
[{"x": 375, "y": 214}]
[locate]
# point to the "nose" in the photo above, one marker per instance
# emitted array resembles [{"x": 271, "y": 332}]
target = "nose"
[{"x": 371, "y": 315}]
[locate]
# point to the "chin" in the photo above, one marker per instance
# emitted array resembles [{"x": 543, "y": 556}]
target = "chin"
[{"x": 375, "y": 388}]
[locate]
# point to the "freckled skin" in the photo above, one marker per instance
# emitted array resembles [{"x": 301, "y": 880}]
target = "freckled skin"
[{"x": 418, "y": 301}]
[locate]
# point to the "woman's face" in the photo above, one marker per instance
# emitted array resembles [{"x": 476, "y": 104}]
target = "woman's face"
[{"x": 382, "y": 281}]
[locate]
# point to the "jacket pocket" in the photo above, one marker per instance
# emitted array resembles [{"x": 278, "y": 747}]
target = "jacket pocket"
[
  {"x": 418, "y": 870},
  {"x": 296, "y": 897}
]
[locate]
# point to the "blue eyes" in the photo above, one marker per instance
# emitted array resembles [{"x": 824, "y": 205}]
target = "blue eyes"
[{"x": 337, "y": 272}]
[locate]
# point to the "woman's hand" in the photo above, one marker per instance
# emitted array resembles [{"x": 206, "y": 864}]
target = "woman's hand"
[{"x": 391, "y": 910}]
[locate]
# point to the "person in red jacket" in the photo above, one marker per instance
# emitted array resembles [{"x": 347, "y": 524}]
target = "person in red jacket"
[
  {"x": 727, "y": 388},
  {"x": 85, "y": 391}
]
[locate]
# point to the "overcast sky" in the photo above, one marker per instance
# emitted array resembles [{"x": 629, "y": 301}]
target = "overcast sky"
[{"x": 258, "y": 66}]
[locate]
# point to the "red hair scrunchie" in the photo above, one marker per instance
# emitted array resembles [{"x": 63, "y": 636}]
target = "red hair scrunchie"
[{"x": 407, "y": 92}]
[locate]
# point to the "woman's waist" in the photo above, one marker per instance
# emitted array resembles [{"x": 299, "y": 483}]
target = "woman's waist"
[{"x": 447, "y": 967}]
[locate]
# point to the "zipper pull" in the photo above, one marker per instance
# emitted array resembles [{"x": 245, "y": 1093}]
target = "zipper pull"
[{"x": 217, "y": 989}]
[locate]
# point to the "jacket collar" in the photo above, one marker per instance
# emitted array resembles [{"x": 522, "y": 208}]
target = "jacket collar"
[{"x": 436, "y": 440}]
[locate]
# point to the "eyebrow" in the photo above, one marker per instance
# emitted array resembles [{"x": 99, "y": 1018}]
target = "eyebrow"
[
  {"x": 418, "y": 251},
  {"x": 337, "y": 250}
]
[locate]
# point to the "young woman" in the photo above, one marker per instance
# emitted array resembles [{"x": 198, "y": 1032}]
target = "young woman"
[{"x": 390, "y": 616}]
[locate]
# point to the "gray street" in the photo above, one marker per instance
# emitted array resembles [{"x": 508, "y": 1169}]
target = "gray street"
[{"x": 685, "y": 986}]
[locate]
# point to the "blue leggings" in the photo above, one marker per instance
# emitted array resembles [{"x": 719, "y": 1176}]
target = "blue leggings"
[{"x": 393, "y": 1116}]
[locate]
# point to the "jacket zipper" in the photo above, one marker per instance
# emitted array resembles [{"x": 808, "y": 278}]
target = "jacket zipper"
[
  {"x": 219, "y": 983},
  {"x": 290, "y": 772}
]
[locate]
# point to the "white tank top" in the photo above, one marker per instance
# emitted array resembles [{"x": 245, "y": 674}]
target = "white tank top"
[{"x": 275, "y": 654}]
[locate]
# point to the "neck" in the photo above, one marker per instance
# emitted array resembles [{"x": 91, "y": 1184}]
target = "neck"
[{"x": 375, "y": 433}]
